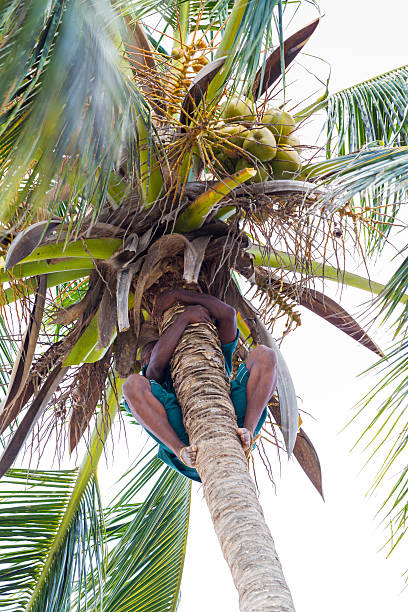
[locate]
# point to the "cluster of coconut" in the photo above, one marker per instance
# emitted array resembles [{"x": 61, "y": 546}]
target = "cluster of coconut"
[{"x": 267, "y": 143}]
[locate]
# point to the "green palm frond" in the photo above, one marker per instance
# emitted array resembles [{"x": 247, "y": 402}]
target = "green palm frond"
[
  {"x": 365, "y": 172},
  {"x": 248, "y": 31},
  {"x": 243, "y": 28},
  {"x": 374, "y": 111},
  {"x": 396, "y": 287},
  {"x": 8, "y": 352},
  {"x": 65, "y": 556},
  {"x": 371, "y": 114},
  {"x": 32, "y": 504},
  {"x": 66, "y": 82},
  {"x": 376, "y": 178},
  {"x": 146, "y": 540},
  {"x": 386, "y": 435}
]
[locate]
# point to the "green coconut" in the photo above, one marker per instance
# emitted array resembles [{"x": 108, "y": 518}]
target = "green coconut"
[
  {"x": 291, "y": 141},
  {"x": 239, "y": 108},
  {"x": 286, "y": 163},
  {"x": 233, "y": 133},
  {"x": 279, "y": 122},
  {"x": 225, "y": 163},
  {"x": 262, "y": 172},
  {"x": 261, "y": 143}
]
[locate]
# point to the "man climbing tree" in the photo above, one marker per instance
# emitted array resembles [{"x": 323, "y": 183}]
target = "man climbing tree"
[{"x": 151, "y": 397}]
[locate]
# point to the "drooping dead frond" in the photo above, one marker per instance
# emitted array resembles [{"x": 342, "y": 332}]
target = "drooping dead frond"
[
  {"x": 35, "y": 411},
  {"x": 271, "y": 69},
  {"x": 85, "y": 392},
  {"x": 25, "y": 357},
  {"x": 303, "y": 450}
]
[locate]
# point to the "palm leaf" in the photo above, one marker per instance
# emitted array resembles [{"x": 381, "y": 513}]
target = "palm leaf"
[
  {"x": 32, "y": 504},
  {"x": 69, "y": 87},
  {"x": 44, "y": 592},
  {"x": 335, "y": 314},
  {"x": 148, "y": 540},
  {"x": 249, "y": 27},
  {"x": 376, "y": 177},
  {"x": 374, "y": 111},
  {"x": 386, "y": 436},
  {"x": 393, "y": 294}
]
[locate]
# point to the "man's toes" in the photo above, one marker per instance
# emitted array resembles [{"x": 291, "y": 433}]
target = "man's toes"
[
  {"x": 188, "y": 455},
  {"x": 245, "y": 436}
]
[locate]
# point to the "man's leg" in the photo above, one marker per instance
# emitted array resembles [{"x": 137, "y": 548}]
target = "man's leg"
[
  {"x": 261, "y": 364},
  {"x": 150, "y": 413}
]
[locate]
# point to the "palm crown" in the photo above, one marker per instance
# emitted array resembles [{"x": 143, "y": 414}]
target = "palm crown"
[{"x": 134, "y": 156}]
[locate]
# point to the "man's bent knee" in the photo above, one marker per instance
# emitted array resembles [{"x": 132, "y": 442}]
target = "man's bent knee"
[
  {"x": 136, "y": 387},
  {"x": 262, "y": 356}
]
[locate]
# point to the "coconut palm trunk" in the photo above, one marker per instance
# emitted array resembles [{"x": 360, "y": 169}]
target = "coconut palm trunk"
[{"x": 202, "y": 388}]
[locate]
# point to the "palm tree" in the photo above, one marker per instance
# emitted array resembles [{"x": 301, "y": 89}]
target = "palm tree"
[{"x": 119, "y": 179}]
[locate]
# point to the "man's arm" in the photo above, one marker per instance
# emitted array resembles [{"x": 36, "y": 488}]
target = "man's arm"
[
  {"x": 164, "y": 348},
  {"x": 223, "y": 314}
]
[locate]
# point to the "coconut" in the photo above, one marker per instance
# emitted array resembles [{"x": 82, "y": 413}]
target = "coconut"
[
  {"x": 226, "y": 162},
  {"x": 286, "y": 163},
  {"x": 235, "y": 133},
  {"x": 260, "y": 143},
  {"x": 279, "y": 122},
  {"x": 291, "y": 141},
  {"x": 239, "y": 108},
  {"x": 262, "y": 172}
]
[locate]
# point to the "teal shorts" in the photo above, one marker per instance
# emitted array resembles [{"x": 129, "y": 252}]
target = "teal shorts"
[{"x": 173, "y": 410}]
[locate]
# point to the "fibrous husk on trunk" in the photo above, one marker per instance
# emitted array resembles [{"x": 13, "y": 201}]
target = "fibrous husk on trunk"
[{"x": 107, "y": 312}]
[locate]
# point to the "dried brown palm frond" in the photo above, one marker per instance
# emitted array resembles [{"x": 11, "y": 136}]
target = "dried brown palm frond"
[
  {"x": 303, "y": 450},
  {"x": 86, "y": 392}
]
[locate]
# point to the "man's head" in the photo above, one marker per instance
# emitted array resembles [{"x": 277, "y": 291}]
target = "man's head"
[{"x": 146, "y": 352}]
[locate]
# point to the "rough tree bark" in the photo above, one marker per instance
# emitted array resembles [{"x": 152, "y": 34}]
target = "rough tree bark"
[{"x": 202, "y": 388}]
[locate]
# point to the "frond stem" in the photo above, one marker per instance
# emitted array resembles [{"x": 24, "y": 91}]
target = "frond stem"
[{"x": 284, "y": 261}]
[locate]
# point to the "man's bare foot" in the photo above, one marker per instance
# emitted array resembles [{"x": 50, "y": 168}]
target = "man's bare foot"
[
  {"x": 245, "y": 437},
  {"x": 188, "y": 455}
]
